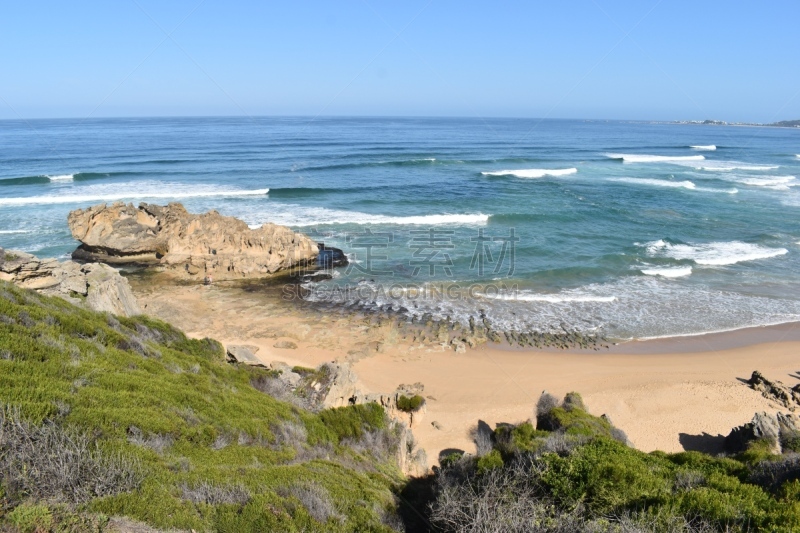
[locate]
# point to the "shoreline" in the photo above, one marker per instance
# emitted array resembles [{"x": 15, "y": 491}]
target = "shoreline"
[{"x": 672, "y": 394}]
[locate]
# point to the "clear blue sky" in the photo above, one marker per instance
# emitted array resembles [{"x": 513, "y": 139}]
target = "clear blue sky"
[{"x": 673, "y": 59}]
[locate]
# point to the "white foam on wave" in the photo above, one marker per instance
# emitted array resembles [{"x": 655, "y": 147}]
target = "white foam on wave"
[
  {"x": 658, "y": 183},
  {"x": 673, "y": 184},
  {"x": 779, "y": 183},
  {"x": 298, "y": 215},
  {"x": 708, "y": 147},
  {"x": 533, "y": 172},
  {"x": 725, "y": 166},
  {"x": 551, "y": 298},
  {"x": 130, "y": 195},
  {"x": 62, "y": 177},
  {"x": 667, "y": 272},
  {"x": 642, "y": 158},
  {"x": 13, "y": 231},
  {"x": 714, "y": 253}
]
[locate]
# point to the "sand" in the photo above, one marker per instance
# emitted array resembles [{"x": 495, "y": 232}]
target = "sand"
[{"x": 669, "y": 394}]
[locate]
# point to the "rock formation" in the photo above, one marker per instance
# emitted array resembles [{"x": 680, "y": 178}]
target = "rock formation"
[
  {"x": 775, "y": 391},
  {"x": 187, "y": 245},
  {"x": 98, "y": 287},
  {"x": 775, "y": 430}
]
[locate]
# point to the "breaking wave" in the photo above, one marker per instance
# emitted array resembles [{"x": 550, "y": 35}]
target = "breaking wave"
[
  {"x": 708, "y": 147},
  {"x": 667, "y": 272},
  {"x": 533, "y": 172},
  {"x": 713, "y": 253},
  {"x": 300, "y": 216},
  {"x": 128, "y": 195},
  {"x": 673, "y": 184},
  {"x": 640, "y": 158}
]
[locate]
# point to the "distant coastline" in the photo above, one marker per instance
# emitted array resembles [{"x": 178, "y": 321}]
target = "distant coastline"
[{"x": 710, "y": 122}]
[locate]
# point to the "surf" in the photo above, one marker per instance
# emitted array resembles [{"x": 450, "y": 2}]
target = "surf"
[
  {"x": 147, "y": 195},
  {"x": 641, "y": 158},
  {"x": 713, "y": 253},
  {"x": 532, "y": 172}
]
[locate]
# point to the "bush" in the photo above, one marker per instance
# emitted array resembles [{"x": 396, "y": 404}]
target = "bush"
[
  {"x": 49, "y": 462},
  {"x": 410, "y": 404},
  {"x": 490, "y": 461},
  {"x": 352, "y": 421},
  {"x": 209, "y": 494},
  {"x": 315, "y": 499}
]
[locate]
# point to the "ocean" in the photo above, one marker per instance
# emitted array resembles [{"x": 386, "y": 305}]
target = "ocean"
[{"x": 633, "y": 229}]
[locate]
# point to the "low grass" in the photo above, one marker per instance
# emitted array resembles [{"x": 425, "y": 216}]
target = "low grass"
[{"x": 145, "y": 392}]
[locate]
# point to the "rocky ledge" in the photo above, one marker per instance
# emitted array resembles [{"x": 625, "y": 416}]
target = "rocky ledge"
[
  {"x": 187, "y": 245},
  {"x": 99, "y": 287}
]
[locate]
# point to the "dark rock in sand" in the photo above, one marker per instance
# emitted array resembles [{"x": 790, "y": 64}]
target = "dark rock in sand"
[{"x": 775, "y": 391}]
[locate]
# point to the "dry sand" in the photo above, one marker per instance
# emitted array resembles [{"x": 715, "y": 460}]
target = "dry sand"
[{"x": 670, "y": 395}]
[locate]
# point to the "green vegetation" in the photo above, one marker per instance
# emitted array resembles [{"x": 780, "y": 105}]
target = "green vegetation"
[
  {"x": 410, "y": 404},
  {"x": 103, "y": 417},
  {"x": 169, "y": 434},
  {"x": 576, "y": 473}
]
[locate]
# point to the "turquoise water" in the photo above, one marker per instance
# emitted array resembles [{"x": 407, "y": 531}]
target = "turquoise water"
[{"x": 616, "y": 225}]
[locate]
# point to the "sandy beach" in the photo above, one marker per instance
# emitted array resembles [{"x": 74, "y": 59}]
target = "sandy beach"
[{"x": 673, "y": 394}]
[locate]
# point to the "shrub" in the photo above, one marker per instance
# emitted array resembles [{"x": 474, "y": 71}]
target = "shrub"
[
  {"x": 315, "y": 499},
  {"x": 352, "y": 421},
  {"x": 215, "y": 494},
  {"x": 49, "y": 462},
  {"x": 547, "y": 402},
  {"x": 410, "y": 404},
  {"x": 490, "y": 461}
]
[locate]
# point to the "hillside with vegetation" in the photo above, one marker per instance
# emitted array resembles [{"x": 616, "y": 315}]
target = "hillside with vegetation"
[
  {"x": 125, "y": 424},
  {"x": 104, "y": 416}
]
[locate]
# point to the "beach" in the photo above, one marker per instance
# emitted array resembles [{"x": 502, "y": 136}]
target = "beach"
[{"x": 675, "y": 394}]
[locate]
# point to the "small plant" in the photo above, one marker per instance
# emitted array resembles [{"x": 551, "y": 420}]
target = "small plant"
[
  {"x": 410, "y": 404},
  {"x": 10, "y": 256}
]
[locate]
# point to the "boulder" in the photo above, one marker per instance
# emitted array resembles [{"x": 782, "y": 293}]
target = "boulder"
[
  {"x": 187, "y": 245},
  {"x": 330, "y": 257},
  {"x": 772, "y": 429},
  {"x": 99, "y": 287},
  {"x": 243, "y": 353},
  {"x": 342, "y": 387}
]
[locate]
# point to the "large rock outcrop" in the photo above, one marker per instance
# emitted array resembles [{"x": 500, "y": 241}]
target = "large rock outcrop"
[
  {"x": 98, "y": 286},
  {"x": 185, "y": 244},
  {"x": 778, "y": 432}
]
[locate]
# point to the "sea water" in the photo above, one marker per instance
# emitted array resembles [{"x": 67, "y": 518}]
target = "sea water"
[{"x": 633, "y": 229}]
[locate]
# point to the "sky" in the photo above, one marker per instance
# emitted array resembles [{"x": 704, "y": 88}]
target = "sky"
[{"x": 596, "y": 59}]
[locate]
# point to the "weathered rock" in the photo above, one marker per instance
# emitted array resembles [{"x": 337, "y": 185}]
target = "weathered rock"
[
  {"x": 772, "y": 429},
  {"x": 243, "y": 353},
  {"x": 287, "y": 345},
  {"x": 411, "y": 460},
  {"x": 775, "y": 391},
  {"x": 342, "y": 387},
  {"x": 98, "y": 287},
  {"x": 187, "y": 245}
]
